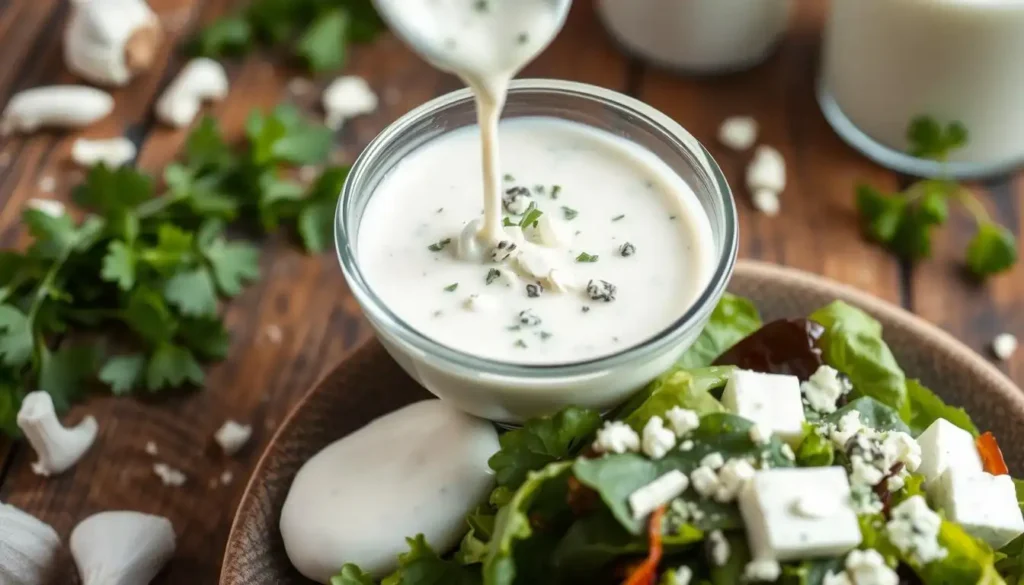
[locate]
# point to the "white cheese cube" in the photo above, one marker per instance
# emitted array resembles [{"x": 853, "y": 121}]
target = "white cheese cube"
[
  {"x": 660, "y": 491},
  {"x": 945, "y": 445},
  {"x": 781, "y": 527},
  {"x": 984, "y": 504},
  {"x": 769, "y": 400}
]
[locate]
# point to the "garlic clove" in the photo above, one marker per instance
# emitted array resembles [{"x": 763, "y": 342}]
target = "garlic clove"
[
  {"x": 28, "y": 548},
  {"x": 57, "y": 447},
  {"x": 200, "y": 80},
  {"x": 113, "y": 152},
  {"x": 767, "y": 170},
  {"x": 108, "y": 42},
  {"x": 121, "y": 547},
  {"x": 58, "y": 106},
  {"x": 347, "y": 97}
]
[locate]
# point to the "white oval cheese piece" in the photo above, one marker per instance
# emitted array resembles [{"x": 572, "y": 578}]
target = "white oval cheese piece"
[{"x": 418, "y": 470}]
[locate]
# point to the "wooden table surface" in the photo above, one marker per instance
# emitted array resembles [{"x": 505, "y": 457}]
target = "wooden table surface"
[{"x": 306, "y": 299}]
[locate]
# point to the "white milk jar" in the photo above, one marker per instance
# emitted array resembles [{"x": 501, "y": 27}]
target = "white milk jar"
[
  {"x": 700, "y": 36},
  {"x": 888, "y": 61}
]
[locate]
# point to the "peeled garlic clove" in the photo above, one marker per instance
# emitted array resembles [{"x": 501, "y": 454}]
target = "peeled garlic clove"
[
  {"x": 201, "y": 80},
  {"x": 108, "y": 42},
  {"x": 112, "y": 152},
  {"x": 58, "y": 447},
  {"x": 767, "y": 170},
  {"x": 121, "y": 548},
  {"x": 55, "y": 106},
  {"x": 28, "y": 548}
]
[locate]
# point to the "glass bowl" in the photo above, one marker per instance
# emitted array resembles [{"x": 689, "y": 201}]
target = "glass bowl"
[{"x": 507, "y": 392}]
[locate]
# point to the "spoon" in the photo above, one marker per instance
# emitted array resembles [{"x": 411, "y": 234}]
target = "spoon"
[{"x": 476, "y": 39}]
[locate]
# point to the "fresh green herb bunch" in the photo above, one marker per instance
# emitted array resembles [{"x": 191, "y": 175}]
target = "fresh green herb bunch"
[
  {"x": 903, "y": 222},
  {"x": 129, "y": 295},
  {"x": 317, "y": 31}
]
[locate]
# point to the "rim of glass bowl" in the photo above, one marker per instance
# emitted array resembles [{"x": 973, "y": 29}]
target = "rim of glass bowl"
[{"x": 680, "y": 140}]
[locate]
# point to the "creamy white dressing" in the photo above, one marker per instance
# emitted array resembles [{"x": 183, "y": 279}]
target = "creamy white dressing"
[
  {"x": 599, "y": 195},
  {"x": 418, "y": 470}
]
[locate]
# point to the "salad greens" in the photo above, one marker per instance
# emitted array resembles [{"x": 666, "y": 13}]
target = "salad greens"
[{"x": 562, "y": 511}]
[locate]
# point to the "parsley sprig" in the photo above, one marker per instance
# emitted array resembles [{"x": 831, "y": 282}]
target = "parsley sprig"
[
  {"x": 130, "y": 295},
  {"x": 316, "y": 31},
  {"x": 903, "y": 222}
]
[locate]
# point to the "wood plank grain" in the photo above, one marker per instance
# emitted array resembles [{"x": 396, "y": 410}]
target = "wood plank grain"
[
  {"x": 817, "y": 228},
  {"x": 975, "y": 312},
  {"x": 287, "y": 330}
]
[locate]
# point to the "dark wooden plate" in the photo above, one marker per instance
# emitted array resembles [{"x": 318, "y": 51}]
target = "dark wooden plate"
[{"x": 368, "y": 384}]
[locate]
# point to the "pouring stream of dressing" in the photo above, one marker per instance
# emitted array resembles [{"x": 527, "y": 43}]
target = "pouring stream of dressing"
[{"x": 485, "y": 43}]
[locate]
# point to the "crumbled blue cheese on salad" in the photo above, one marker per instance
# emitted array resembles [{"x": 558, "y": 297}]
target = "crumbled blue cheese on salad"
[
  {"x": 656, "y": 440},
  {"x": 823, "y": 389},
  {"x": 660, "y": 491},
  {"x": 616, "y": 437},
  {"x": 914, "y": 530}
]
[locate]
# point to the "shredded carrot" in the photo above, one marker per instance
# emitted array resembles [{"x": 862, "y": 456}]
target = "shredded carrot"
[
  {"x": 991, "y": 456},
  {"x": 646, "y": 572}
]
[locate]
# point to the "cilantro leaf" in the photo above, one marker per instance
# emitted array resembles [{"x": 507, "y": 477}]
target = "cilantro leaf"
[
  {"x": 322, "y": 45},
  {"x": 109, "y": 190},
  {"x": 206, "y": 337},
  {"x": 11, "y": 396},
  {"x": 119, "y": 265},
  {"x": 148, "y": 315},
  {"x": 927, "y": 138},
  {"x": 233, "y": 264},
  {"x": 192, "y": 292},
  {"x": 352, "y": 575},
  {"x": 123, "y": 373},
  {"x": 228, "y": 36},
  {"x": 63, "y": 373},
  {"x": 173, "y": 249},
  {"x": 172, "y": 366},
  {"x": 284, "y": 136},
  {"x": 541, "y": 441},
  {"x": 421, "y": 565},
  {"x": 16, "y": 341},
  {"x": 992, "y": 250},
  {"x": 54, "y": 236},
  {"x": 316, "y": 220},
  {"x": 206, "y": 148}
]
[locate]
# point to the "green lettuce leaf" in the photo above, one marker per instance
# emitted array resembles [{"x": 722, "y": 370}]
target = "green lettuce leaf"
[
  {"x": 596, "y": 540},
  {"x": 926, "y": 407},
  {"x": 872, "y": 413},
  {"x": 352, "y": 575},
  {"x": 815, "y": 451},
  {"x": 853, "y": 345},
  {"x": 810, "y": 572},
  {"x": 422, "y": 566},
  {"x": 542, "y": 441},
  {"x": 513, "y": 527},
  {"x": 731, "y": 572},
  {"x": 689, "y": 389},
  {"x": 733, "y": 319},
  {"x": 615, "y": 477}
]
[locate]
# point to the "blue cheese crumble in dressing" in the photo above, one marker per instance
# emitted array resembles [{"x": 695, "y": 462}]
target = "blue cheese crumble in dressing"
[{"x": 602, "y": 247}]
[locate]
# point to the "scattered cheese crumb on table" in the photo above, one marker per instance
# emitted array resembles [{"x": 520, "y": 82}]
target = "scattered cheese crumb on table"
[
  {"x": 168, "y": 475},
  {"x": 232, "y": 436},
  {"x": 1004, "y": 346},
  {"x": 738, "y": 132}
]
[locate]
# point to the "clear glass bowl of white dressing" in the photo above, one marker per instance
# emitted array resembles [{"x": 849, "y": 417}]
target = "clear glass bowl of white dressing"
[{"x": 510, "y": 392}]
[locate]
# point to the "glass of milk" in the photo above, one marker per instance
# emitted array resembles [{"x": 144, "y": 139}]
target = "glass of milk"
[
  {"x": 506, "y": 391},
  {"x": 699, "y": 36},
  {"x": 888, "y": 61}
]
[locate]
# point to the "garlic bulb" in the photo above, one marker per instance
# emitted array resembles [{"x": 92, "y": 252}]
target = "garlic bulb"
[
  {"x": 121, "y": 548},
  {"x": 108, "y": 42},
  {"x": 58, "y": 447},
  {"x": 28, "y": 548}
]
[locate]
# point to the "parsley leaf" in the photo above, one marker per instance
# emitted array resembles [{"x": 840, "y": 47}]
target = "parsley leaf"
[
  {"x": 172, "y": 366},
  {"x": 541, "y": 441},
  {"x": 584, "y": 257},
  {"x": 927, "y": 138},
  {"x": 322, "y": 45},
  {"x": 15, "y": 337},
  {"x": 993, "y": 249},
  {"x": 192, "y": 292},
  {"x": 119, "y": 265},
  {"x": 233, "y": 264},
  {"x": 63, "y": 372},
  {"x": 316, "y": 219},
  {"x": 123, "y": 373}
]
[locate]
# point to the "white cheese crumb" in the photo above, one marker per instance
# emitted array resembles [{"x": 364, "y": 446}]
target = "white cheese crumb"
[
  {"x": 151, "y": 448},
  {"x": 762, "y": 570},
  {"x": 47, "y": 184},
  {"x": 168, "y": 475},
  {"x": 864, "y": 473},
  {"x": 738, "y": 132},
  {"x": 713, "y": 460},
  {"x": 823, "y": 389},
  {"x": 646, "y": 499},
  {"x": 232, "y": 436},
  {"x": 50, "y": 207},
  {"x": 719, "y": 548},
  {"x": 767, "y": 202},
  {"x": 226, "y": 478},
  {"x": 347, "y": 97},
  {"x": 1004, "y": 346},
  {"x": 616, "y": 437},
  {"x": 867, "y": 567},
  {"x": 274, "y": 334},
  {"x": 759, "y": 434},
  {"x": 657, "y": 440},
  {"x": 705, "y": 481},
  {"x": 914, "y": 529},
  {"x": 479, "y": 303},
  {"x": 733, "y": 476},
  {"x": 681, "y": 576},
  {"x": 767, "y": 170},
  {"x": 848, "y": 426},
  {"x": 899, "y": 446},
  {"x": 840, "y": 578},
  {"x": 682, "y": 420},
  {"x": 686, "y": 445}
]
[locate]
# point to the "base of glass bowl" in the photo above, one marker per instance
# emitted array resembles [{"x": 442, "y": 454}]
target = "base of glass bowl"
[{"x": 896, "y": 160}]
